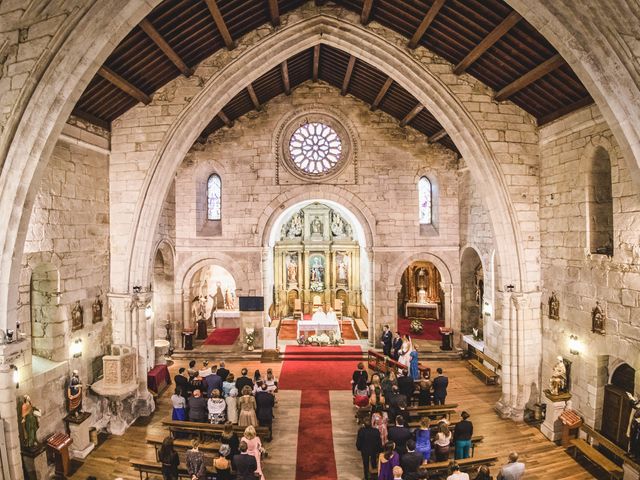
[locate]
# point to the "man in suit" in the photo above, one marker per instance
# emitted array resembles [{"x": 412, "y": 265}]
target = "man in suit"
[
  {"x": 395, "y": 401},
  {"x": 400, "y": 435},
  {"x": 411, "y": 461},
  {"x": 440, "y": 384},
  {"x": 243, "y": 381},
  {"x": 406, "y": 385},
  {"x": 222, "y": 371},
  {"x": 387, "y": 337},
  {"x": 182, "y": 383},
  {"x": 264, "y": 408},
  {"x": 396, "y": 346},
  {"x": 213, "y": 381},
  {"x": 246, "y": 464},
  {"x": 369, "y": 445}
]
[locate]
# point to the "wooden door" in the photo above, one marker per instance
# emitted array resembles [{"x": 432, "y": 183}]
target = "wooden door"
[{"x": 615, "y": 415}]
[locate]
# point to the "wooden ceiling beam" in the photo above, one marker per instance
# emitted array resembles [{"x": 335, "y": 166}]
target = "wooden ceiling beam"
[
  {"x": 220, "y": 24},
  {"x": 426, "y": 22},
  {"x": 91, "y": 118},
  {"x": 128, "y": 88},
  {"x": 162, "y": 44},
  {"x": 347, "y": 75},
  {"x": 367, "y": 8},
  {"x": 439, "y": 135},
  {"x": 254, "y": 97},
  {"x": 316, "y": 62},
  {"x": 226, "y": 120},
  {"x": 284, "y": 69},
  {"x": 583, "y": 102},
  {"x": 274, "y": 12},
  {"x": 487, "y": 42},
  {"x": 411, "y": 115},
  {"x": 531, "y": 76},
  {"x": 382, "y": 93}
]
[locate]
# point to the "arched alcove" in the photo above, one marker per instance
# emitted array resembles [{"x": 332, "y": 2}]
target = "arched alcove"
[
  {"x": 163, "y": 290},
  {"x": 47, "y": 329},
  {"x": 600, "y": 203},
  {"x": 616, "y": 408},
  {"x": 472, "y": 287},
  {"x": 211, "y": 288}
]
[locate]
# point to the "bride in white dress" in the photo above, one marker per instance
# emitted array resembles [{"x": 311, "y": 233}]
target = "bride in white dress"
[{"x": 405, "y": 351}]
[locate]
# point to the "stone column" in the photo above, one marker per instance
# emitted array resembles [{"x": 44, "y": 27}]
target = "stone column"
[
  {"x": 9, "y": 415},
  {"x": 447, "y": 288},
  {"x": 372, "y": 296},
  {"x": 120, "y": 308},
  {"x": 186, "y": 313}
]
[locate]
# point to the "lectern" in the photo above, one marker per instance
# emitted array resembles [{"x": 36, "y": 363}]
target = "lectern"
[{"x": 58, "y": 448}]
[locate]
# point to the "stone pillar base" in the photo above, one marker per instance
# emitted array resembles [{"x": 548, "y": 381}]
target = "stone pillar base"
[
  {"x": 79, "y": 431},
  {"x": 630, "y": 473},
  {"x": 552, "y": 426},
  {"x": 35, "y": 463}
]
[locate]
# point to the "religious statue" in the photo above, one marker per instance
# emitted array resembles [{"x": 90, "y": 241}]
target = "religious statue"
[
  {"x": 29, "y": 421},
  {"x": 554, "y": 307},
  {"x": 292, "y": 270},
  {"x": 316, "y": 226},
  {"x": 198, "y": 308},
  {"x": 558, "y": 380},
  {"x": 337, "y": 225},
  {"x": 343, "y": 269},
  {"x": 77, "y": 317},
  {"x": 597, "y": 319},
  {"x": 295, "y": 226},
  {"x": 229, "y": 304},
  {"x": 74, "y": 394},
  {"x": 96, "y": 309},
  {"x": 317, "y": 275},
  {"x": 219, "y": 298}
]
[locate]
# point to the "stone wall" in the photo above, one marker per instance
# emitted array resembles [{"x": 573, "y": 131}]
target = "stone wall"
[
  {"x": 68, "y": 238},
  {"x": 578, "y": 277}
]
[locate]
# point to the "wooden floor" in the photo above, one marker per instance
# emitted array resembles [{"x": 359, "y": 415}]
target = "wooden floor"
[{"x": 543, "y": 459}]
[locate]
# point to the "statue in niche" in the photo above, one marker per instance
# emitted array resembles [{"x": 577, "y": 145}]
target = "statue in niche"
[
  {"x": 295, "y": 226},
  {"x": 343, "y": 268},
  {"x": 219, "y": 298},
  {"x": 77, "y": 316},
  {"x": 317, "y": 275},
  {"x": 597, "y": 319},
  {"x": 29, "y": 421},
  {"x": 198, "y": 307},
  {"x": 316, "y": 226},
  {"x": 292, "y": 269},
  {"x": 74, "y": 395},
  {"x": 96, "y": 309},
  {"x": 554, "y": 307},
  {"x": 229, "y": 303},
  {"x": 558, "y": 380},
  {"x": 337, "y": 225}
]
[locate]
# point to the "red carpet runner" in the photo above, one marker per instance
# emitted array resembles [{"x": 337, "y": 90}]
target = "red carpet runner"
[
  {"x": 222, "y": 336},
  {"x": 315, "y": 371}
]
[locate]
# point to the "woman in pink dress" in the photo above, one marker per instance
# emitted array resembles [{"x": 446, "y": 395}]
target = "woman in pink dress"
[
  {"x": 254, "y": 446},
  {"x": 379, "y": 420}
]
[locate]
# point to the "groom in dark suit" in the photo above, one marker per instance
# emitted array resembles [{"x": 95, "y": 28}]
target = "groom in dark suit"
[
  {"x": 387, "y": 336},
  {"x": 396, "y": 346}
]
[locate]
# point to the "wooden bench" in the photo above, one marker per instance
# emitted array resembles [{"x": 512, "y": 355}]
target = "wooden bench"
[
  {"x": 208, "y": 430},
  {"x": 182, "y": 445},
  {"x": 613, "y": 470},
  {"x": 361, "y": 327},
  {"x": 154, "y": 468},
  {"x": 466, "y": 465},
  {"x": 479, "y": 364},
  {"x": 432, "y": 411}
]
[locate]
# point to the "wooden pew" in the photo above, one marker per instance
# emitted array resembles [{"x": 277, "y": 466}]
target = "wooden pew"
[
  {"x": 361, "y": 326},
  {"x": 379, "y": 363},
  {"x": 479, "y": 364},
  {"x": 613, "y": 470},
  {"x": 209, "y": 448},
  {"x": 208, "y": 430},
  {"x": 154, "y": 468},
  {"x": 466, "y": 465},
  {"x": 432, "y": 411}
]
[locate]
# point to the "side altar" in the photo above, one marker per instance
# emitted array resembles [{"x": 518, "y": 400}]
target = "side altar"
[{"x": 317, "y": 262}]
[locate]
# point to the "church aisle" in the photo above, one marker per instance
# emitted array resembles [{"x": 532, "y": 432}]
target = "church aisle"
[
  {"x": 345, "y": 430},
  {"x": 281, "y": 462}
]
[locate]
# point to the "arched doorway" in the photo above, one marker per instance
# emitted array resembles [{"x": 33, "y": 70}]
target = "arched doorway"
[
  {"x": 163, "y": 290},
  {"x": 421, "y": 301},
  {"x": 616, "y": 409},
  {"x": 472, "y": 291}
]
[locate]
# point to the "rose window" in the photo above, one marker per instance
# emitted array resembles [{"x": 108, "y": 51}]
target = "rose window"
[{"x": 315, "y": 148}]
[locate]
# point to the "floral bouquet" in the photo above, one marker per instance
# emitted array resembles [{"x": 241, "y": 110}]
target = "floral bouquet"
[
  {"x": 476, "y": 334},
  {"x": 249, "y": 338},
  {"x": 416, "y": 326}
]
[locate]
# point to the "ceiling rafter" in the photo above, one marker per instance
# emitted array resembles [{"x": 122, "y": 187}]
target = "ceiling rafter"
[
  {"x": 411, "y": 115},
  {"x": 226, "y": 120},
  {"x": 284, "y": 70},
  {"x": 124, "y": 85},
  {"x": 220, "y": 24},
  {"x": 253, "y": 97},
  {"x": 383, "y": 91},
  {"x": 487, "y": 42},
  {"x": 531, "y": 76},
  {"x": 439, "y": 135},
  {"x": 148, "y": 28},
  {"x": 426, "y": 21},
  {"x": 367, "y": 8},
  {"x": 316, "y": 62},
  {"x": 347, "y": 75},
  {"x": 274, "y": 12},
  {"x": 583, "y": 102}
]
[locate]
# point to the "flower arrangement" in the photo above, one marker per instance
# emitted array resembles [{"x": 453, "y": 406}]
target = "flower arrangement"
[
  {"x": 476, "y": 334},
  {"x": 416, "y": 326},
  {"x": 249, "y": 338}
]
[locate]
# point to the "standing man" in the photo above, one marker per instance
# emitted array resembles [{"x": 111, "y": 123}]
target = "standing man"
[
  {"x": 369, "y": 445},
  {"x": 245, "y": 463},
  {"x": 387, "y": 337},
  {"x": 440, "y": 384},
  {"x": 213, "y": 381},
  {"x": 411, "y": 461},
  {"x": 182, "y": 383},
  {"x": 244, "y": 381},
  {"x": 222, "y": 371},
  {"x": 396, "y": 346},
  {"x": 514, "y": 470},
  {"x": 264, "y": 408}
]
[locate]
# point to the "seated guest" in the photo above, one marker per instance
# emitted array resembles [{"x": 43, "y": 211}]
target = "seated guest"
[
  {"x": 247, "y": 408},
  {"x": 406, "y": 385},
  {"x": 264, "y": 409},
  {"x": 462, "y": 433},
  {"x": 424, "y": 395},
  {"x": 359, "y": 373},
  {"x": 182, "y": 383},
  {"x": 243, "y": 381},
  {"x": 245, "y": 464},
  {"x": 369, "y": 445},
  {"x": 483, "y": 473},
  {"x": 442, "y": 443},
  {"x": 361, "y": 393},
  {"x": 379, "y": 420},
  {"x": 456, "y": 474},
  {"x": 197, "y": 407},
  {"x": 228, "y": 384},
  {"x": 222, "y": 371},
  {"x": 195, "y": 462},
  {"x": 514, "y": 470},
  {"x": 213, "y": 381},
  {"x": 411, "y": 461},
  {"x": 222, "y": 463},
  {"x": 232, "y": 405},
  {"x": 423, "y": 438},
  {"x": 399, "y": 434},
  {"x": 386, "y": 461},
  {"x": 217, "y": 407},
  {"x": 230, "y": 439},
  {"x": 179, "y": 404}
]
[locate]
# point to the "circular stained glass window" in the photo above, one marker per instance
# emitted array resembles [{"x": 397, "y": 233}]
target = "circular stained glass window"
[{"x": 315, "y": 148}]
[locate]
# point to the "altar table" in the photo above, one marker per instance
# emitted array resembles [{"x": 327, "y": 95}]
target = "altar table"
[
  {"x": 226, "y": 319},
  {"x": 421, "y": 310},
  {"x": 318, "y": 327}
]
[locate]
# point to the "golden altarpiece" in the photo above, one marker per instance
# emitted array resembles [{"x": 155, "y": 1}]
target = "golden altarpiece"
[
  {"x": 421, "y": 293},
  {"x": 317, "y": 261}
]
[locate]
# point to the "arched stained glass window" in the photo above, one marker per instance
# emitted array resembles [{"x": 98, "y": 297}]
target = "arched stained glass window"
[
  {"x": 214, "y": 198},
  {"x": 425, "y": 193}
]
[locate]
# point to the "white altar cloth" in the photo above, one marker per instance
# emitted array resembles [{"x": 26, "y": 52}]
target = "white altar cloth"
[
  {"x": 320, "y": 322},
  {"x": 226, "y": 319}
]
